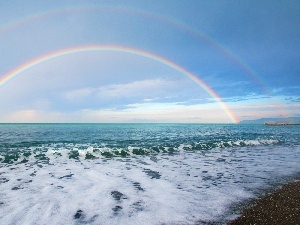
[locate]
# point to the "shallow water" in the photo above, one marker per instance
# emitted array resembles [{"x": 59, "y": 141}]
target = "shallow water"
[{"x": 138, "y": 173}]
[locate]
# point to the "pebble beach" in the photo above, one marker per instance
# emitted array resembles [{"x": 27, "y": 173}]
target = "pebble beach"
[{"x": 279, "y": 207}]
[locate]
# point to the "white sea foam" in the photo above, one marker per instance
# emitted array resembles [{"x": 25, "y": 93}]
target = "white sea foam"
[{"x": 182, "y": 188}]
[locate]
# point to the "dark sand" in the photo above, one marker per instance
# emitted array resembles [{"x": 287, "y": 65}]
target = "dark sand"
[{"x": 280, "y": 207}]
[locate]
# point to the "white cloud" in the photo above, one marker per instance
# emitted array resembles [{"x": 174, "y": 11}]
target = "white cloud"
[
  {"x": 139, "y": 112},
  {"x": 136, "y": 88},
  {"x": 145, "y": 89},
  {"x": 149, "y": 99},
  {"x": 147, "y": 104},
  {"x": 159, "y": 112},
  {"x": 155, "y": 112}
]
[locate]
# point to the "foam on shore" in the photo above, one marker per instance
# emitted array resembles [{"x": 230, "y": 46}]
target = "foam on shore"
[{"x": 186, "y": 187}]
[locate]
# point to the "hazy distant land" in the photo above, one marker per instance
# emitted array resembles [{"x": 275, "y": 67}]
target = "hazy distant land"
[{"x": 293, "y": 120}]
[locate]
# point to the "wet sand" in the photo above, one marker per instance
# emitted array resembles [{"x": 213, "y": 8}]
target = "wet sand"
[{"x": 280, "y": 207}]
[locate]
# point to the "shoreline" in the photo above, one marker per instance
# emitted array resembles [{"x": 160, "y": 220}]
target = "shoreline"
[{"x": 279, "y": 206}]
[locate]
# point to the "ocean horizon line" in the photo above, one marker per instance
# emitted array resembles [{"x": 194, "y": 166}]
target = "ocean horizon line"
[{"x": 104, "y": 123}]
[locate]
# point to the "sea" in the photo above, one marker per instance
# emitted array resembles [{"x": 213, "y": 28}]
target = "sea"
[{"x": 140, "y": 173}]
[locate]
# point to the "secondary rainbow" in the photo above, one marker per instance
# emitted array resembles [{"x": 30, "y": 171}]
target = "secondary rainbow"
[
  {"x": 163, "y": 19},
  {"x": 26, "y": 66}
]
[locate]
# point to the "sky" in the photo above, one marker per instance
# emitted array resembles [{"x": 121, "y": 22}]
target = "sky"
[{"x": 149, "y": 61}]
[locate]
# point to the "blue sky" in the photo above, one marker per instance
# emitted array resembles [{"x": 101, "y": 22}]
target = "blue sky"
[{"x": 247, "y": 52}]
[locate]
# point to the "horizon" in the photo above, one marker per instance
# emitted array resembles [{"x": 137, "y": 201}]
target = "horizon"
[{"x": 242, "y": 122}]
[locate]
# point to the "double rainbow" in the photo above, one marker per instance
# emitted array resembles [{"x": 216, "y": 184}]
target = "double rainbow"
[{"x": 130, "y": 11}]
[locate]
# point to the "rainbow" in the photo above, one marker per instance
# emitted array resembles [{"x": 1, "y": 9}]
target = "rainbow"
[
  {"x": 166, "y": 20},
  {"x": 26, "y": 66}
]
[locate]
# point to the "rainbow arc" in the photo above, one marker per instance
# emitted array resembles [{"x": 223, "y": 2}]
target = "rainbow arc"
[{"x": 63, "y": 52}]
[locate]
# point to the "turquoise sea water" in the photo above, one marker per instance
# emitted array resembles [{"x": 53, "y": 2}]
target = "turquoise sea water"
[{"x": 138, "y": 173}]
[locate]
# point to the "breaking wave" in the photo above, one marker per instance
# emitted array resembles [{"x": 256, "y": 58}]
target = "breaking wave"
[{"x": 93, "y": 151}]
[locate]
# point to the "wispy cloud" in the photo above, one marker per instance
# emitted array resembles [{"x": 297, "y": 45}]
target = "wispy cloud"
[
  {"x": 149, "y": 90},
  {"x": 137, "y": 88},
  {"x": 251, "y": 96},
  {"x": 158, "y": 112},
  {"x": 293, "y": 99},
  {"x": 290, "y": 90}
]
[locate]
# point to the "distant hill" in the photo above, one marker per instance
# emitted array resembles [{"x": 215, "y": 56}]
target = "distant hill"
[{"x": 273, "y": 120}]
